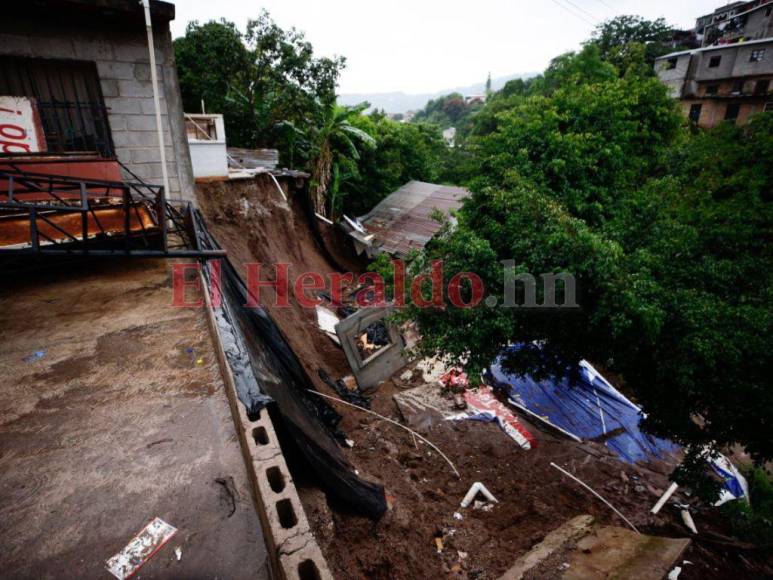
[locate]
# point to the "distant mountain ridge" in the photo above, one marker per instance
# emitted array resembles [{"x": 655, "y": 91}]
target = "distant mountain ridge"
[{"x": 400, "y": 102}]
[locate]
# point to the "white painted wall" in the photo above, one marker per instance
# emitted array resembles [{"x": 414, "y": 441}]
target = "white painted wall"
[{"x": 208, "y": 158}]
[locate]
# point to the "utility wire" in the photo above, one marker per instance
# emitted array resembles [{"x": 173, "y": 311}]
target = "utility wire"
[
  {"x": 573, "y": 13},
  {"x": 607, "y": 5},
  {"x": 581, "y": 9}
]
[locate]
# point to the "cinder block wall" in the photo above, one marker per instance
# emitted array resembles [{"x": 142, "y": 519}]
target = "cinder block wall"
[{"x": 122, "y": 62}]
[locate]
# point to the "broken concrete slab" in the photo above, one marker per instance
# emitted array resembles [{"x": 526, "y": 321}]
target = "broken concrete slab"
[
  {"x": 578, "y": 550},
  {"x": 567, "y": 533},
  {"x": 613, "y": 552}
]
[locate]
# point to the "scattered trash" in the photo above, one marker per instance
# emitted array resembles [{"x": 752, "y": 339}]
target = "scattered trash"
[
  {"x": 458, "y": 516},
  {"x": 735, "y": 485},
  {"x": 564, "y": 566},
  {"x": 439, "y": 545},
  {"x": 199, "y": 361},
  {"x": 189, "y": 350},
  {"x": 141, "y": 548},
  {"x": 484, "y": 406},
  {"x": 482, "y": 506},
  {"x": 327, "y": 320},
  {"x": 674, "y": 574},
  {"x": 350, "y": 383},
  {"x": 664, "y": 498},
  {"x": 462, "y": 555},
  {"x": 455, "y": 379},
  {"x": 37, "y": 355},
  {"x": 687, "y": 519},
  {"x": 406, "y": 376},
  {"x": 475, "y": 489},
  {"x": 343, "y": 391},
  {"x": 178, "y": 552},
  {"x": 349, "y": 443}
]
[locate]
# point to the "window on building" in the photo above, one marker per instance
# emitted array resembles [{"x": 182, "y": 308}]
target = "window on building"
[
  {"x": 737, "y": 87},
  {"x": 762, "y": 87},
  {"x": 69, "y": 98},
  {"x": 768, "y": 107},
  {"x": 671, "y": 63},
  {"x": 695, "y": 112},
  {"x": 757, "y": 55},
  {"x": 731, "y": 113},
  {"x": 714, "y": 61},
  {"x": 712, "y": 89},
  {"x": 200, "y": 128}
]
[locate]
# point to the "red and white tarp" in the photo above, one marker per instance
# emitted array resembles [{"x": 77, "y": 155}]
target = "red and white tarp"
[{"x": 484, "y": 406}]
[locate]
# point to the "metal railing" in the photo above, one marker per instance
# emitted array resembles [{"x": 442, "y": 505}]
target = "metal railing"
[{"x": 150, "y": 225}]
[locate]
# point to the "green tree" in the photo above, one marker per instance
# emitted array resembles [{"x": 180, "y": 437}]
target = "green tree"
[
  {"x": 267, "y": 82},
  {"x": 405, "y": 151},
  {"x": 666, "y": 231},
  {"x": 338, "y": 143},
  {"x": 617, "y": 37}
]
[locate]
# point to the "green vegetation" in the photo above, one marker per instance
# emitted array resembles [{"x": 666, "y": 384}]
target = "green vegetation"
[
  {"x": 449, "y": 111},
  {"x": 753, "y": 522},
  {"x": 590, "y": 169},
  {"x": 266, "y": 82},
  {"x": 587, "y": 169},
  {"x": 275, "y": 93}
]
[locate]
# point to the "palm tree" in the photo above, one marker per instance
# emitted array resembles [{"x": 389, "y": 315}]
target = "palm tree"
[{"x": 337, "y": 141}]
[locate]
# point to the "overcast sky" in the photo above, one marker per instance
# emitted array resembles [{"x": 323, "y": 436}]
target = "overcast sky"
[{"x": 422, "y": 46}]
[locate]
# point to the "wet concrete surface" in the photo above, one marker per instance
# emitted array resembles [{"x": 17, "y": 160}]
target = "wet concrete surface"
[{"x": 123, "y": 418}]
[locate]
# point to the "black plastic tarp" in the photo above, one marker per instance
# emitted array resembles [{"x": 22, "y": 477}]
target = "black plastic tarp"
[{"x": 267, "y": 372}]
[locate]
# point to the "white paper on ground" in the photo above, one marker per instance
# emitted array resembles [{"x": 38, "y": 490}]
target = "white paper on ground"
[{"x": 140, "y": 549}]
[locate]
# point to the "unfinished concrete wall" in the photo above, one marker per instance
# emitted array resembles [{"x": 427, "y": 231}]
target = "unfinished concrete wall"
[
  {"x": 122, "y": 61},
  {"x": 674, "y": 76}
]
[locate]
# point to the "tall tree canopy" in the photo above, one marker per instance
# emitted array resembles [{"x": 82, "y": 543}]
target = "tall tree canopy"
[
  {"x": 590, "y": 170},
  {"x": 266, "y": 81}
]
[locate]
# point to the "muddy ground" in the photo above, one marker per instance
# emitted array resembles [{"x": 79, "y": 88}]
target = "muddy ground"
[{"x": 254, "y": 224}]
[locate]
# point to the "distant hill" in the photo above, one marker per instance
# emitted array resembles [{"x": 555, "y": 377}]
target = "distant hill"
[{"x": 399, "y": 102}]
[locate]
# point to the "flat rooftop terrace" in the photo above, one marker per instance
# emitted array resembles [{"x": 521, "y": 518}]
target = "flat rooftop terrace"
[{"x": 113, "y": 412}]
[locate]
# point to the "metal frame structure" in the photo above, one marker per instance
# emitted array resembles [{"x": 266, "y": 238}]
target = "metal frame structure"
[{"x": 42, "y": 199}]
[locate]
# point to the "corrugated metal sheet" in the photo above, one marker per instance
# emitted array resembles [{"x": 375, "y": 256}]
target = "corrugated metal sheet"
[{"x": 402, "y": 221}]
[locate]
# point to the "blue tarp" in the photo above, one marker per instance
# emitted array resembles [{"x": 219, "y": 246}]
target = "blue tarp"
[{"x": 584, "y": 404}]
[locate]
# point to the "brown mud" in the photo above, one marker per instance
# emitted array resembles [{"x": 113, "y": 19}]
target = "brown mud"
[{"x": 254, "y": 224}]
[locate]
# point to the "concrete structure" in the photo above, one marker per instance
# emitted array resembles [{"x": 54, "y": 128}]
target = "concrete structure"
[
  {"x": 736, "y": 22},
  {"x": 114, "y": 412},
  {"x": 206, "y": 140},
  {"x": 725, "y": 82},
  {"x": 86, "y": 62}
]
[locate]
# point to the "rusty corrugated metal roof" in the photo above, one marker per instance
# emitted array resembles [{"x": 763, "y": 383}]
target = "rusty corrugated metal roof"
[{"x": 402, "y": 221}]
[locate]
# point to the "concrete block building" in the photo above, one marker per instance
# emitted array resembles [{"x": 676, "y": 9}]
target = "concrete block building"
[
  {"x": 721, "y": 83},
  {"x": 86, "y": 64}
]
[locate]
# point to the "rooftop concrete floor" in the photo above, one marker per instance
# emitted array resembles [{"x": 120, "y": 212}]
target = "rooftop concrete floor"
[{"x": 117, "y": 423}]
